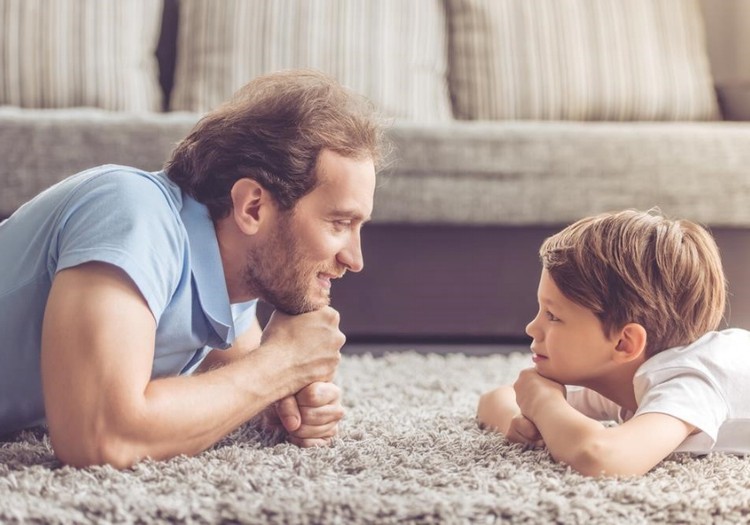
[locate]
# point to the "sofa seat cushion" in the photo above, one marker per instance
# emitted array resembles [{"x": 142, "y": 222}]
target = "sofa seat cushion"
[
  {"x": 40, "y": 147},
  {"x": 536, "y": 173},
  {"x": 514, "y": 173}
]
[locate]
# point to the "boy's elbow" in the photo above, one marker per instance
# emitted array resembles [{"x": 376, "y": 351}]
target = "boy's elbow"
[
  {"x": 495, "y": 408},
  {"x": 588, "y": 461},
  {"x": 596, "y": 458}
]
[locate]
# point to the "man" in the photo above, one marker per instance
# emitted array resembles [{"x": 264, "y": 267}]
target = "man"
[{"x": 116, "y": 284}]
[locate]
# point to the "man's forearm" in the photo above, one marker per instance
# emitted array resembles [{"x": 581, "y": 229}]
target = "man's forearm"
[{"x": 187, "y": 414}]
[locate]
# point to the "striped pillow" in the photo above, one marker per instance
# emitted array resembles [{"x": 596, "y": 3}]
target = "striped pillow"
[
  {"x": 579, "y": 60},
  {"x": 66, "y": 53},
  {"x": 392, "y": 51}
]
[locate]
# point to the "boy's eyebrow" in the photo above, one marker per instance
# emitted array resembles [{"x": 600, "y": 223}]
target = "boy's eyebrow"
[{"x": 546, "y": 301}]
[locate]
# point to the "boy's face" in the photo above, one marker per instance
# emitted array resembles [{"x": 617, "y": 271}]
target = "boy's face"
[{"x": 569, "y": 345}]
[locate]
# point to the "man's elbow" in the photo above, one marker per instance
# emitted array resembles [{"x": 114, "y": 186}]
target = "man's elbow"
[{"x": 100, "y": 449}]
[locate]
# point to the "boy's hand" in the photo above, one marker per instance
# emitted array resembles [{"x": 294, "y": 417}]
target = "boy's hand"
[
  {"x": 532, "y": 389},
  {"x": 523, "y": 430}
]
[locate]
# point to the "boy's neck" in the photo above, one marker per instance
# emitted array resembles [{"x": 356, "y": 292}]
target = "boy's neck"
[{"x": 617, "y": 385}]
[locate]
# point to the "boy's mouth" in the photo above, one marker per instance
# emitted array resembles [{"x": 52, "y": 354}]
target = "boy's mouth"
[{"x": 538, "y": 357}]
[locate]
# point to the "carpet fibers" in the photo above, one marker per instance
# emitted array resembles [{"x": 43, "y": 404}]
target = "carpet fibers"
[{"x": 409, "y": 452}]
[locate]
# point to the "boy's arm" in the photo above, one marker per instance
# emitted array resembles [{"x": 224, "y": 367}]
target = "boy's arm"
[
  {"x": 497, "y": 408},
  {"x": 499, "y": 411},
  {"x": 585, "y": 444}
]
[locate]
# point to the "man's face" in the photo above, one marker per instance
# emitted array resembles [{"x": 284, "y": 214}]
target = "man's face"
[{"x": 318, "y": 240}]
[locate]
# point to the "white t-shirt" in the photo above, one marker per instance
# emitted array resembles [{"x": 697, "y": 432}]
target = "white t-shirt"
[{"x": 706, "y": 384}]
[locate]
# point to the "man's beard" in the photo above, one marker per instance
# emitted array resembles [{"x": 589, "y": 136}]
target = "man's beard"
[{"x": 280, "y": 276}]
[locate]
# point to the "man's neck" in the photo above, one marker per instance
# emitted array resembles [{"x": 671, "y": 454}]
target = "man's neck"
[{"x": 232, "y": 259}]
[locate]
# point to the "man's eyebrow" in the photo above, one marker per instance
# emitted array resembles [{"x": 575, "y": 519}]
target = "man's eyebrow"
[{"x": 348, "y": 214}]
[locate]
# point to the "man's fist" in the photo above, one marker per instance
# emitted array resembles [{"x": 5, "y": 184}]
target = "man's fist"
[{"x": 311, "y": 416}]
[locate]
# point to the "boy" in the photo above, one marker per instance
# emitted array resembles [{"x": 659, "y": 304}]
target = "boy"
[{"x": 628, "y": 303}]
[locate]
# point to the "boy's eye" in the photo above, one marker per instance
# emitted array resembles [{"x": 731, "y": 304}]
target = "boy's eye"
[{"x": 550, "y": 316}]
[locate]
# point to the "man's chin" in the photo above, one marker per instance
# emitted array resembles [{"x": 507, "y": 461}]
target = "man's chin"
[{"x": 302, "y": 307}]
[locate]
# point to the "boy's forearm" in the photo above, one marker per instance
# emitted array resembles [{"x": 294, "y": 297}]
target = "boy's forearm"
[{"x": 571, "y": 437}]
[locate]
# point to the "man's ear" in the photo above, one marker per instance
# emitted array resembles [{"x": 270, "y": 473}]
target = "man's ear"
[
  {"x": 631, "y": 344},
  {"x": 251, "y": 203}
]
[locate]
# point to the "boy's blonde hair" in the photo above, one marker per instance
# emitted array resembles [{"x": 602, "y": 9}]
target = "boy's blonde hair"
[{"x": 641, "y": 267}]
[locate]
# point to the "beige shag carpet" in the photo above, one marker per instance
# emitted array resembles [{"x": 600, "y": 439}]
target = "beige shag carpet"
[{"x": 409, "y": 452}]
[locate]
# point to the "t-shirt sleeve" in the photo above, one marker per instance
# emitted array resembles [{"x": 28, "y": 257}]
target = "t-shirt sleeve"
[
  {"x": 125, "y": 219},
  {"x": 592, "y": 404},
  {"x": 687, "y": 395}
]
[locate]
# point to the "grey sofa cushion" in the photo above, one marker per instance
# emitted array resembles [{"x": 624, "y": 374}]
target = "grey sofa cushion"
[
  {"x": 41, "y": 147},
  {"x": 536, "y": 173},
  {"x": 510, "y": 173}
]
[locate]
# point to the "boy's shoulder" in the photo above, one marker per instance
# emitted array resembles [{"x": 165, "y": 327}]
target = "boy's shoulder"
[{"x": 715, "y": 354}]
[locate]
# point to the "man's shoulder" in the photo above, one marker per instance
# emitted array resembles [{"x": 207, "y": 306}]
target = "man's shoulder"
[{"x": 125, "y": 185}]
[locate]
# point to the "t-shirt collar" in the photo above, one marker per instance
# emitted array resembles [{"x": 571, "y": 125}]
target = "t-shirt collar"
[{"x": 207, "y": 268}]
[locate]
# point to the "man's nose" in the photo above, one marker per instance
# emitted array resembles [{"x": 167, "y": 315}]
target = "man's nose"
[{"x": 351, "y": 255}]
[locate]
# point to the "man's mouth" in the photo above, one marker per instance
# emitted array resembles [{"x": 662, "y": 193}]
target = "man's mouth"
[{"x": 325, "y": 279}]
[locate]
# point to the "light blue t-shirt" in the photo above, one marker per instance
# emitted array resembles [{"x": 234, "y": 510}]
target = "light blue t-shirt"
[{"x": 138, "y": 221}]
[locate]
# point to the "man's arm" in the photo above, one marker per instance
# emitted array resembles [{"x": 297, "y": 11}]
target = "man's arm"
[
  {"x": 632, "y": 448},
  {"x": 310, "y": 416},
  {"x": 242, "y": 346},
  {"x": 97, "y": 355}
]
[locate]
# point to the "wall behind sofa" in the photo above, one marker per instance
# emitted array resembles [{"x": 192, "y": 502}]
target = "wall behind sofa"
[{"x": 727, "y": 24}]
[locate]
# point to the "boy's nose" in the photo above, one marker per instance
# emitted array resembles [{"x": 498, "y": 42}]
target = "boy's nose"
[{"x": 531, "y": 330}]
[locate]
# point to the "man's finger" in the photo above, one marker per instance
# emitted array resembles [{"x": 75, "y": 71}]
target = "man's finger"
[
  {"x": 318, "y": 394},
  {"x": 288, "y": 413},
  {"x": 319, "y": 431},
  {"x": 316, "y": 416},
  {"x": 310, "y": 442}
]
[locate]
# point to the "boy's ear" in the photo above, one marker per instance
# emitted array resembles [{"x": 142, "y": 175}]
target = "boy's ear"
[
  {"x": 631, "y": 343},
  {"x": 251, "y": 203}
]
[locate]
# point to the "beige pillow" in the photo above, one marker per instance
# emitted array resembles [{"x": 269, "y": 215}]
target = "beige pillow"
[
  {"x": 65, "y": 53},
  {"x": 392, "y": 51},
  {"x": 579, "y": 60}
]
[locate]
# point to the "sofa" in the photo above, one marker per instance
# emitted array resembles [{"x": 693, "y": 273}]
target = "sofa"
[{"x": 508, "y": 120}]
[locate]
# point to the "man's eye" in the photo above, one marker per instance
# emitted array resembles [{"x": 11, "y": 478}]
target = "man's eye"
[
  {"x": 342, "y": 225},
  {"x": 551, "y": 316}
]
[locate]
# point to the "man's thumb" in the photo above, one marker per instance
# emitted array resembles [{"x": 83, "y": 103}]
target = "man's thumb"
[{"x": 288, "y": 413}]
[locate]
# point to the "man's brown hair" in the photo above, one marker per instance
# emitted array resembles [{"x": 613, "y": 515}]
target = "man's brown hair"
[
  {"x": 273, "y": 130},
  {"x": 641, "y": 267}
]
